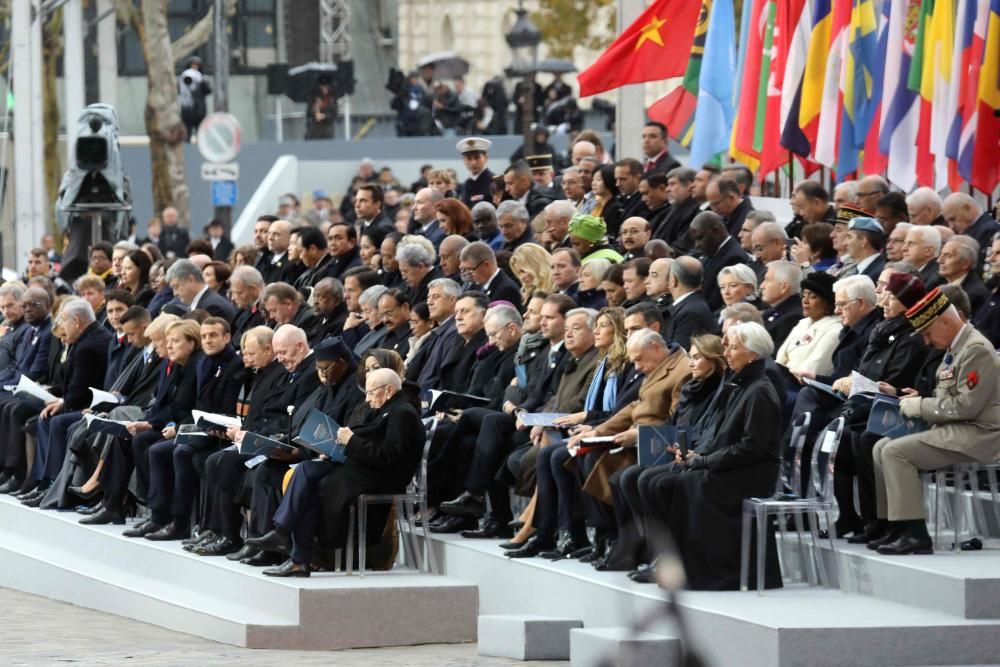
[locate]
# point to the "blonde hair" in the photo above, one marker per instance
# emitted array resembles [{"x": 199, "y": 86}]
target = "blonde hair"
[
  {"x": 533, "y": 259},
  {"x": 159, "y": 325},
  {"x": 190, "y": 329},
  {"x": 712, "y": 349}
]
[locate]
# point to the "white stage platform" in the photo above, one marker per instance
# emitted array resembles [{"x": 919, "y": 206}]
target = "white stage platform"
[
  {"x": 895, "y": 620},
  {"x": 48, "y": 553},
  {"x": 921, "y": 610}
]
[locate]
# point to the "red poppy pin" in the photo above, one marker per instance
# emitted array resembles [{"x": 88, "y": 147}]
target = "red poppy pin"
[{"x": 972, "y": 380}]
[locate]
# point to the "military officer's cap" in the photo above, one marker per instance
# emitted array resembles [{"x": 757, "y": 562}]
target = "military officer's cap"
[
  {"x": 928, "y": 309},
  {"x": 846, "y": 213},
  {"x": 473, "y": 145},
  {"x": 539, "y": 162}
]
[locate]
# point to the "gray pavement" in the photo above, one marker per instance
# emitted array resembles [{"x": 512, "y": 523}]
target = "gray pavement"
[{"x": 40, "y": 631}]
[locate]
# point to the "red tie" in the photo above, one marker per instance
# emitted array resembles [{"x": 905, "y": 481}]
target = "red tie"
[{"x": 170, "y": 367}]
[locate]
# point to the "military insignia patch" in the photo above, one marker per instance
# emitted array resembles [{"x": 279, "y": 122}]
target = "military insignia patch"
[{"x": 972, "y": 380}]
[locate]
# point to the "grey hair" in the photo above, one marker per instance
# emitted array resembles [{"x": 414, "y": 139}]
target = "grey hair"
[
  {"x": 741, "y": 272},
  {"x": 590, "y": 314},
  {"x": 929, "y": 236},
  {"x": 331, "y": 284},
  {"x": 742, "y": 312},
  {"x": 597, "y": 267},
  {"x": 413, "y": 251},
  {"x": 772, "y": 230},
  {"x": 851, "y": 187},
  {"x": 371, "y": 295},
  {"x": 504, "y": 315},
  {"x": 15, "y": 289},
  {"x": 261, "y": 334},
  {"x": 484, "y": 210},
  {"x": 754, "y": 337},
  {"x": 248, "y": 276},
  {"x": 924, "y": 197},
  {"x": 787, "y": 272},
  {"x": 446, "y": 285},
  {"x": 183, "y": 269},
  {"x": 760, "y": 217},
  {"x": 513, "y": 208},
  {"x": 857, "y": 287},
  {"x": 644, "y": 338},
  {"x": 77, "y": 307},
  {"x": 478, "y": 252},
  {"x": 903, "y": 227},
  {"x": 968, "y": 248},
  {"x": 562, "y": 208},
  {"x": 385, "y": 377},
  {"x": 126, "y": 245},
  {"x": 903, "y": 267}
]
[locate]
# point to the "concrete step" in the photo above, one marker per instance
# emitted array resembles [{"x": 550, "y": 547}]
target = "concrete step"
[
  {"x": 622, "y": 647},
  {"x": 963, "y": 584},
  {"x": 525, "y": 637},
  {"x": 797, "y": 625},
  {"x": 49, "y": 553}
]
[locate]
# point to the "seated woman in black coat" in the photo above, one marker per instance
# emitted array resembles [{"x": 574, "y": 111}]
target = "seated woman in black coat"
[{"x": 701, "y": 509}]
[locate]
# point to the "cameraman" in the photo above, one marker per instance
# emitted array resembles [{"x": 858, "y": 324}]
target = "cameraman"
[
  {"x": 192, "y": 89},
  {"x": 411, "y": 103}
]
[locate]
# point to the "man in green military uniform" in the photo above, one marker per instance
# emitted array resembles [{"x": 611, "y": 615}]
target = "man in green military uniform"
[{"x": 964, "y": 419}]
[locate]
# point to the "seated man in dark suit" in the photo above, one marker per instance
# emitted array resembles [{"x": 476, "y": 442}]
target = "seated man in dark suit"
[
  {"x": 479, "y": 267},
  {"x": 189, "y": 287},
  {"x": 725, "y": 198},
  {"x": 718, "y": 250},
  {"x": 689, "y": 314},
  {"x": 284, "y": 305},
  {"x": 780, "y": 291},
  {"x": 86, "y": 361},
  {"x": 381, "y": 458}
]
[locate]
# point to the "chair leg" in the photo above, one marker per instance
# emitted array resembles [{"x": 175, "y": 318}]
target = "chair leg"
[
  {"x": 350, "y": 540},
  {"x": 419, "y": 562},
  {"x": 431, "y": 559},
  {"x": 362, "y": 534},
  {"x": 843, "y": 582},
  {"x": 761, "y": 547},
  {"x": 991, "y": 477},
  {"x": 957, "y": 511},
  {"x": 817, "y": 556},
  {"x": 745, "y": 550},
  {"x": 979, "y": 525},
  {"x": 405, "y": 536},
  {"x": 805, "y": 556}
]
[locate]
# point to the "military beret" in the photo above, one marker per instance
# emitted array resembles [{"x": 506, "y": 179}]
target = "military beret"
[{"x": 865, "y": 224}]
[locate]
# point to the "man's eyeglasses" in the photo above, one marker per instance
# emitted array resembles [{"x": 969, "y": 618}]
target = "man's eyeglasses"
[
  {"x": 371, "y": 392},
  {"x": 466, "y": 271},
  {"x": 840, "y": 305}
]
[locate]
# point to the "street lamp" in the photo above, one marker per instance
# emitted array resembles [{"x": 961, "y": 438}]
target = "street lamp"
[{"x": 523, "y": 39}]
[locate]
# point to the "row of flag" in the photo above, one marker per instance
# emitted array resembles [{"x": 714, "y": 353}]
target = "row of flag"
[{"x": 905, "y": 88}]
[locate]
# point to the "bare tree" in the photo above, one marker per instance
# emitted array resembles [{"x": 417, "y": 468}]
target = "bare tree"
[{"x": 162, "y": 114}]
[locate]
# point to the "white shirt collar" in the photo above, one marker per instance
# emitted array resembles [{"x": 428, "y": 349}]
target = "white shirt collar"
[
  {"x": 865, "y": 263},
  {"x": 197, "y": 297}
]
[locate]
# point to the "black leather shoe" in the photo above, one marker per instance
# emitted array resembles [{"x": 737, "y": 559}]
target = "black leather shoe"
[
  {"x": 564, "y": 547},
  {"x": 455, "y": 524},
  {"x": 873, "y": 531},
  {"x": 646, "y": 575},
  {"x": 26, "y": 488},
  {"x": 37, "y": 492},
  {"x": 891, "y": 535},
  {"x": 465, "y": 505},
  {"x": 516, "y": 524},
  {"x": 199, "y": 537},
  {"x": 433, "y": 517},
  {"x": 222, "y": 546},
  {"x": 12, "y": 484},
  {"x": 272, "y": 541},
  {"x": 88, "y": 511},
  {"x": 247, "y": 551},
  {"x": 171, "y": 531},
  {"x": 288, "y": 569},
  {"x": 103, "y": 518},
  {"x": 907, "y": 544},
  {"x": 85, "y": 495},
  {"x": 489, "y": 529},
  {"x": 616, "y": 560},
  {"x": 508, "y": 545},
  {"x": 35, "y": 500},
  {"x": 264, "y": 559},
  {"x": 142, "y": 529},
  {"x": 533, "y": 547},
  {"x": 598, "y": 552}
]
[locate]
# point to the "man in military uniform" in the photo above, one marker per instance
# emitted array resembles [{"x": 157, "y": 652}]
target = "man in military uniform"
[
  {"x": 964, "y": 419},
  {"x": 476, "y": 188}
]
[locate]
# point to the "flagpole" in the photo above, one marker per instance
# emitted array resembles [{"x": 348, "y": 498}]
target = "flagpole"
[{"x": 630, "y": 108}]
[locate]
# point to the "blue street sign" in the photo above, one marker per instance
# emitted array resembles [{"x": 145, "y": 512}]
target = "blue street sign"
[{"x": 223, "y": 193}]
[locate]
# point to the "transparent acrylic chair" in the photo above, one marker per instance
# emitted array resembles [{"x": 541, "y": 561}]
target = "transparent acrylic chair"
[
  {"x": 957, "y": 513},
  {"x": 819, "y": 501},
  {"x": 415, "y": 498}
]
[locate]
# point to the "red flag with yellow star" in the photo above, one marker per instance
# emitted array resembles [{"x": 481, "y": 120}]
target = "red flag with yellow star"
[{"x": 656, "y": 46}]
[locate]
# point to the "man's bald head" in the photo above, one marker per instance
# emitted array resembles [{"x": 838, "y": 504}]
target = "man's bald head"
[
  {"x": 290, "y": 345},
  {"x": 960, "y": 211},
  {"x": 582, "y": 149}
]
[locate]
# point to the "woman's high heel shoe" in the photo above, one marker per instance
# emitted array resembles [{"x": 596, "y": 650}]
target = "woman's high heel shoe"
[{"x": 86, "y": 495}]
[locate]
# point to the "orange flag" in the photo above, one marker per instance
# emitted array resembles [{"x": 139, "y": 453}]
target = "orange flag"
[{"x": 655, "y": 47}]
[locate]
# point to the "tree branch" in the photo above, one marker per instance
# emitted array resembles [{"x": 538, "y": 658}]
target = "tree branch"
[
  {"x": 199, "y": 33},
  {"x": 128, "y": 14}
]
